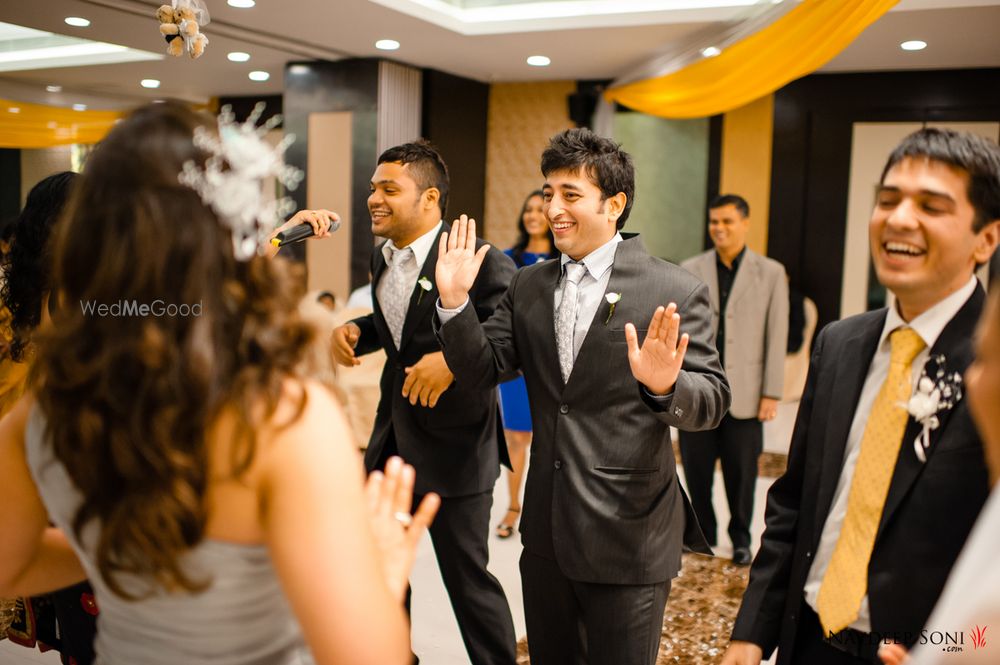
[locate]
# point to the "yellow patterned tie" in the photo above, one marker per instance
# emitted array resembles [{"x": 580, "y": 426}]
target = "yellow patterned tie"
[{"x": 846, "y": 580}]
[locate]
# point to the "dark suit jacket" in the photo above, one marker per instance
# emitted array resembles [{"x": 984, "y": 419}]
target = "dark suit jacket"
[
  {"x": 928, "y": 513},
  {"x": 456, "y": 446},
  {"x": 602, "y": 496}
]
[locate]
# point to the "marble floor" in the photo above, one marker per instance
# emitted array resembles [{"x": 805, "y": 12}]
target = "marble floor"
[{"x": 435, "y": 633}]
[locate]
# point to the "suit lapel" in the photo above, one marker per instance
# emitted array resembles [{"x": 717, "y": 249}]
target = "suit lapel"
[
  {"x": 851, "y": 372},
  {"x": 745, "y": 276},
  {"x": 422, "y": 301},
  {"x": 955, "y": 345},
  {"x": 710, "y": 276},
  {"x": 538, "y": 305},
  {"x": 378, "y": 269}
]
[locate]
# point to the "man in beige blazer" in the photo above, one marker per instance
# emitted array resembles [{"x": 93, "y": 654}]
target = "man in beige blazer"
[{"x": 749, "y": 296}]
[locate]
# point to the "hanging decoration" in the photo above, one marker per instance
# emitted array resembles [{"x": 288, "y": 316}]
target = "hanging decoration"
[{"x": 181, "y": 23}]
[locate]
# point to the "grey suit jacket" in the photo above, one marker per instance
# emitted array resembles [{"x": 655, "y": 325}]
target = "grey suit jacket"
[
  {"x": 602, "y": 496},
  {"x": 756, "y": 327}
]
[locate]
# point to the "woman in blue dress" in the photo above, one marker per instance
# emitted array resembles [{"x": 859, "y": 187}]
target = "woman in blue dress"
[{"x": 534, "y": 244}]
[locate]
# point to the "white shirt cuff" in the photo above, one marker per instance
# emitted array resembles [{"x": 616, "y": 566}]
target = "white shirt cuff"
[{"x": 446, "y": 315}]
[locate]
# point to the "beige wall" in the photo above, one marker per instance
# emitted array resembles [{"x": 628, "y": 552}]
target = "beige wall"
[
  {"x": 38, "y": 164},
  {"x": 328, "y": 171},
  {"x": 746, "y": 163},
  {"x": 521, "y": 119}
]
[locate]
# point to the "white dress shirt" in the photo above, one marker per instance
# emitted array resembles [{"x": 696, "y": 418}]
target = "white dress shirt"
[
  {"x": 421, "y": 248},
  {"x": 929, "y": 326}
]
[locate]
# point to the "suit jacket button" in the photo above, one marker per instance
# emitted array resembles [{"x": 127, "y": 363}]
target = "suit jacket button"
[
  {"x": 557, "y": 465},
  {"x": 564, "y": 408},
  {"x": 678, "y": 411}
]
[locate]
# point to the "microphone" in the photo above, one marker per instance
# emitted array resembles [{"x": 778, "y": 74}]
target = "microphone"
[{"x": 299, "y": 233}]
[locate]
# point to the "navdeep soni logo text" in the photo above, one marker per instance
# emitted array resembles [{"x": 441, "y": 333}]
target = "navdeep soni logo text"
[{"x": 125, "y": 308}]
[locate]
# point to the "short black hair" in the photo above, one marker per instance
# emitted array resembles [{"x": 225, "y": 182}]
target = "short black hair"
[
  {"x": 977, "y": 156},
  {"x": 426, "y": 166},
  {"x": 735, "y": 200},
  {"x": 605, "y": 163}
]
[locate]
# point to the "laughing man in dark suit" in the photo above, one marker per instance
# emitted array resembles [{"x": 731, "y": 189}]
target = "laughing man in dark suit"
[
  {"x": 866, "y": 523},
  {"x": 604, "y": 515}
]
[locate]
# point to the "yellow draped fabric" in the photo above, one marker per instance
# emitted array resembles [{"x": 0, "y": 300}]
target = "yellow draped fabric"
[
  {"x": 798, "y": 43},
  {"x": 38, "y": 126}
]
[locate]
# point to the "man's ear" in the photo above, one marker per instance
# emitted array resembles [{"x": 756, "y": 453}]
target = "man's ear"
[
  {"x": 430, "y": 198},
  {"x": 986, "y": 241},
  {"x": 616, "y": 205}
]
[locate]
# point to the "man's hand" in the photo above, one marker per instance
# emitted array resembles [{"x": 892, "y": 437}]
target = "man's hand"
[
  {"x": 657, "y": 364},
  {"x": 345, "y": 338},
  {"x": 458, "y": 262},
  {"x": 426, "y": 380},
  {"x": 893, "y": 654},
  {"x": 768, "y": 409},
  {"x": 320, "y": 220},
  {"x": 742, "y": 653}
]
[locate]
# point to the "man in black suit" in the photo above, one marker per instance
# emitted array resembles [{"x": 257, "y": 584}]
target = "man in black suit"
[
  {"x": 604, "y": 514},
  {"x": 450, "y": 432},
  {"x": 864, "y": 526}
]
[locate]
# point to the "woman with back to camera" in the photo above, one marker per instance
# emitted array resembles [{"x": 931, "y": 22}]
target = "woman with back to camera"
[
  {"x": 214, "y": 498},
  {"x": 534, "y": 244}
]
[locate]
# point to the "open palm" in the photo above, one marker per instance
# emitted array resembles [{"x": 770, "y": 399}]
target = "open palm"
[
  {"x": 458, "y": 262},
  {"x": 658, "y": 362}
]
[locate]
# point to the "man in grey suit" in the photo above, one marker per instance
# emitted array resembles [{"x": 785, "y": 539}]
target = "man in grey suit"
[
  {"x": 604, "y": 515},
  {"x": 749, "y": 295}
]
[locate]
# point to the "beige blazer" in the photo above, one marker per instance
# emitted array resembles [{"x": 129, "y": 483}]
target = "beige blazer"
[{"x": 756, "y": 327}]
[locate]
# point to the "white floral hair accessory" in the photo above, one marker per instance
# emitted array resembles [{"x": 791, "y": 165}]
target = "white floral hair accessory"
[
  {"x": 932, "y": 396},
  {"x": 232, "y": 182}
]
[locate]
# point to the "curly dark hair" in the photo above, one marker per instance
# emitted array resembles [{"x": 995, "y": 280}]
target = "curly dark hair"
[
  {"x": 129, "y": 400},
  {"x": 517, "y": 251},
  {"x": 27, "y": 265}
]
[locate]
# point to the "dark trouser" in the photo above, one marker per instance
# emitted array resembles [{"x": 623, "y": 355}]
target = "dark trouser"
[
  {"x": 460, "y": 533},
  {"x": 738, "y": 443},
  {"x": 812, "y": 647},
  {"x": 571, "y": 623}
]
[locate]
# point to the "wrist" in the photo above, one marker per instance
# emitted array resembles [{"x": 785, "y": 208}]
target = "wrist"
[{"x": 453, "y": 300}]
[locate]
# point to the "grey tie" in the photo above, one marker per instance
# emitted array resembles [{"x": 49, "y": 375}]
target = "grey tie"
[
  {"x": 396, "y": 297},
  {"x": 566, "y": 316}
]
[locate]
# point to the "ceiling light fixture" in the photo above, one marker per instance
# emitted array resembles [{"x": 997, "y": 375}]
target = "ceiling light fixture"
[
  {"x": 258, "y": 76},
  {"x": 238, "y": 56},
  {"x": 711, "y": 51},
  {"x": 77, "y": 22},
  {"x": 298, "y": 69},
  {"x": 14, "y": 109},
  {"x": 913, "y": 45},
  {"x": 53, "y": 88},
  {"x": 149, "y": 83},
  {"x": 539, "y": 61},
  {"x": 241, "y": 4},
  {"x": 387, "y": 44},
  {"x": 79, "y": 107}
]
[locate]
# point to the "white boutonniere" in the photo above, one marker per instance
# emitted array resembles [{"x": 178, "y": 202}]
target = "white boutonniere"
[
  {"x": 612, "y": 299},
  {"x": 425, "y": 286},
  {"x": 937, "y": 391}
]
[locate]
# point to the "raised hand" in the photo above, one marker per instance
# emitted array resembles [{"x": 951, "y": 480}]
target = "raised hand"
[
  {"x": 458, "y": 262},
  {"x": 397, "y": 533},
  {"x": 657, "y": 364}
]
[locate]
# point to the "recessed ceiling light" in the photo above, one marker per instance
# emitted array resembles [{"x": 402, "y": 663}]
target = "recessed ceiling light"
[
  {"x": 241, "y": 4},
  {"x": 77, "y": 22},
  {"x": 149, "y": 83},
  {"x": 539, "y": 61},
  {"x": 238, "y": 56},
  {"x": 913, "y": 45},
  {"x": 298, "y": 69},
  {"x": 51, "y": 124},
  {"x": 259, "y": 76},
  {"x": 79, "y": 107},
  {"x": 14, "y": 109},
  {"x": 53, "y": 88},
  {"x": 711, "y": 51},
  {"x": 387, "y": 44}
]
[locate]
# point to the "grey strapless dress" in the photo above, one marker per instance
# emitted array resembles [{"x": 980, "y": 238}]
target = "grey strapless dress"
[{"x": 241, "y": 618}]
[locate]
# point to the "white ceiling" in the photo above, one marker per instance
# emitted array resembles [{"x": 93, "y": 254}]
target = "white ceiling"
[{"x": 488, "y": 47}]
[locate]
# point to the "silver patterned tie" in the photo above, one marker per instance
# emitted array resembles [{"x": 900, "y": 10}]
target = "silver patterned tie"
[
  {"x": 396, "y": 297},
  {"x": 566, "y": 316}
]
